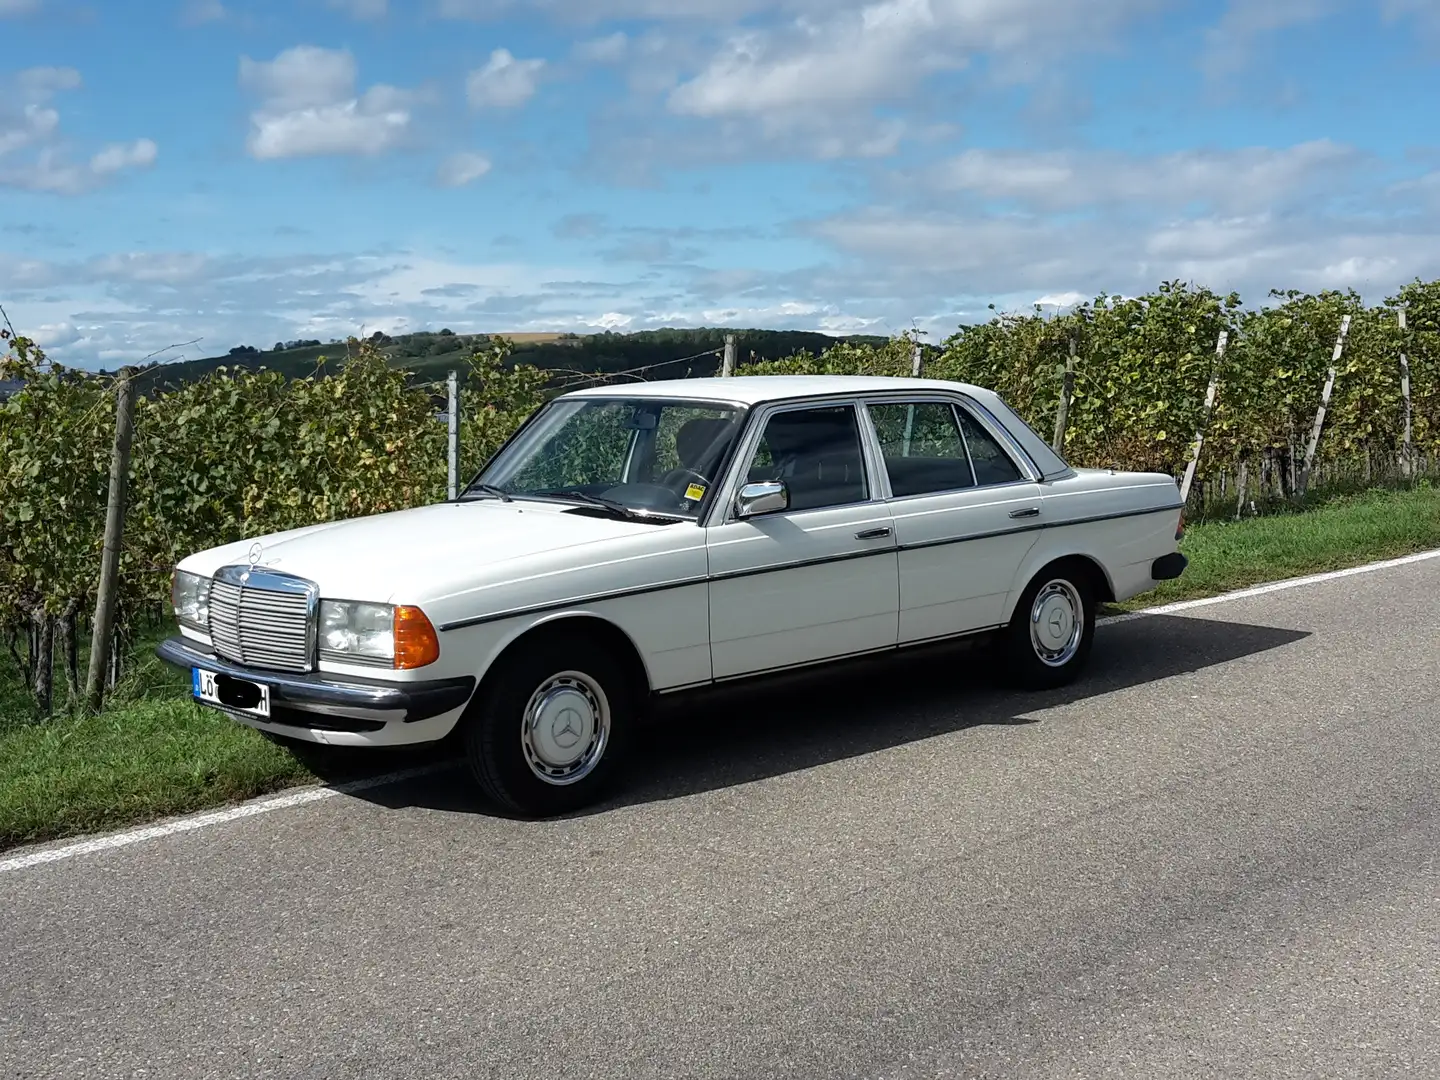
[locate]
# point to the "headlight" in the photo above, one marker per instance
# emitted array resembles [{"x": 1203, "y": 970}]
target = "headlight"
[
  {"x": 190, "y": 597},
  {"x": 357, "y": 632},
  {"x": 382, "y": 635}
]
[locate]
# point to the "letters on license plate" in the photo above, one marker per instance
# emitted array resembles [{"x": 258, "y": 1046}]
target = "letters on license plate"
[{"x": 256, "y": 696}]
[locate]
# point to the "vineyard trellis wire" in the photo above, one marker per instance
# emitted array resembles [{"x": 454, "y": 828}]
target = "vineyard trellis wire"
[{"x": 248, "y": 451}]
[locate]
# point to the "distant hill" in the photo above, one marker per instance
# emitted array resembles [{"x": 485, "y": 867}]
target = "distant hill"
[{"x": 430, "y": 354}]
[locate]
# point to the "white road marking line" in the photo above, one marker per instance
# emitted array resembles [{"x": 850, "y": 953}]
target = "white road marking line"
[
  {"x": 1272, "y": 587},
  {"x": 308, "y": 795},
  {"x": 208, "y": 818}
]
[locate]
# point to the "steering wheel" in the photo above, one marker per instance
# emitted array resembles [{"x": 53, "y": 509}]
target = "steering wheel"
[{"x": 681, "y": 473}]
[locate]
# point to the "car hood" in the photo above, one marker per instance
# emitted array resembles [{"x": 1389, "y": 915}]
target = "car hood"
[{"x": 411, "y": 556}]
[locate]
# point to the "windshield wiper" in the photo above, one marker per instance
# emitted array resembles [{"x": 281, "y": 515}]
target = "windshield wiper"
[
  {"x": 619, "y": 508},
  {"x": 487, "y": 489}
]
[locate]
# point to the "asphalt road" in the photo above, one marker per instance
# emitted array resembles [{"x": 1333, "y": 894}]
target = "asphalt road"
[{"x": 1216, "y": 856}]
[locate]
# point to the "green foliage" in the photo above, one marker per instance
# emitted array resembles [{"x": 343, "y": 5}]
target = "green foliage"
[
  {"x": 234, "y": 454},
  {"x": 1142, "y": 368},
  {"x": 55, "y": 441}
]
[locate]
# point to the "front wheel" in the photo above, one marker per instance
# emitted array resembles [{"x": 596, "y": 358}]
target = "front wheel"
[
  {"x": 546, "y": 735},
  {"x": 1048, "y": 639}
]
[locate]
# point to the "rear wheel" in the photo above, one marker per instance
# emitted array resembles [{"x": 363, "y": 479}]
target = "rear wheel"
[
  {"x": 1048, "y": 639},
  {"x": 546, "y": 734}
]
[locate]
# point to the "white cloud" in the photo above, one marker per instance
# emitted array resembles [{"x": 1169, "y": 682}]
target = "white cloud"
[
  {"x": 595, "y": 11},
  {"x": 361, "y": 9},
  {"x": 32, "y": 156},
  {"x": 861, "y": 56},
  {"x": 605, "y": 50},
  {"x": 1230, "y": 42},
  {"x": 199, "y": 12},
  {"x": 461, "y": 169},
  {"x": 990, "y": 255},
  {"x": 1425, "y": 12},
  {"x": 309, "y": 106},
  {"x": 1254, "y": 177},
  {"x": 39, "y": 84},
  {"x": 504, "y": 82},
  {"x": 1059, "y": 300},
  {"x": 300, "y": 77},
  {"x": 119, "y": 307},
  {"x": 835, "y": 65},
  {"x": 117, "y": 156}
]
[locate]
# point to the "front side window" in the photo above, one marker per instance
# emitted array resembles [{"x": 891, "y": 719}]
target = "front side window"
[
  {"x": 817, "y": 453},
  {"x": 641, "y": 455},
  {"x": 923, "y": 448}
]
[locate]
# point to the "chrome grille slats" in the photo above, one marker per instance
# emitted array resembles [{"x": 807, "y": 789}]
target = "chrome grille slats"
[{"x": 263, "y": 618}]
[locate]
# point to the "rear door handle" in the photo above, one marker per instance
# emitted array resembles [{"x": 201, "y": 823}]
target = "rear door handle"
[
  {"x": 1029, "y": 511},
  {"x": 873, "y": 534}
]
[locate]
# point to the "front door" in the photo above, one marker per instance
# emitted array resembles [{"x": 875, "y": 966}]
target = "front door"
[{"x": 819, "y": 579}]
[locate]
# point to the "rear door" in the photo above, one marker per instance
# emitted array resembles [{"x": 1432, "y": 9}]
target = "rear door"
[{"x": 966, "y": 511}]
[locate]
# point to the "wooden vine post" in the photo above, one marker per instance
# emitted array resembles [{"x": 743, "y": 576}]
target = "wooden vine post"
[
  {"x": 1062, "y": 412},
  {"x": 917, "y": 360},
  {"x": 1407, "y": 442},
  {"x": 1210, "y": 393},
  {"x": 106, "y": 594},
  {"x": 452, "y": 484},
  {"x": 1319, "y": 424},
  {"x": 727, "y": 368}
]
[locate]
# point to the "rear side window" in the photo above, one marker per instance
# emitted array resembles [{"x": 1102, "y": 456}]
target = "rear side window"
[
  {"x": 992, "y": 464},
  {"x": 923, "y": 447}
]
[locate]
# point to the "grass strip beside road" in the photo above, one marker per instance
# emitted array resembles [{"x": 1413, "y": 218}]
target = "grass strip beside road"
[
  {"x": 135, "y": 762},
  {"x": 1336, "y": 535},
  {"x": 153, "y": 754}
]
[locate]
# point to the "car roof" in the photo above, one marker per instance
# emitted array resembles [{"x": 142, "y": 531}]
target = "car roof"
[{"x": 759, "y": 389}]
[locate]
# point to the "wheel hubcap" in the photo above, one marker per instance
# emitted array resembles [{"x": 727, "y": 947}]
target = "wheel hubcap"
[
  {"x": 1057, "y": 623},
  {"x": 565, "y": 728}
]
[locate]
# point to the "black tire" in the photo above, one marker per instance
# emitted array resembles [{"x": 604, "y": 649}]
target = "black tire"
[
  {"x": 585, "y": 679},
  {"x": 1065, "y": 584}
]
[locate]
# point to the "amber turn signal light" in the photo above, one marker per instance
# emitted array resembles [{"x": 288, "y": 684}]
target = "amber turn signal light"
[{"x": 416, "y": 643}]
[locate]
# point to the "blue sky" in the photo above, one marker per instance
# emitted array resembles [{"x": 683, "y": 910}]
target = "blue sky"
[{"x": 244, "y": 171}]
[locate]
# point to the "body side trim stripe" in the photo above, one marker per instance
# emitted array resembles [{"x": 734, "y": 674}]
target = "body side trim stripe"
[
  {"x": 1037, "y": 527},
  {"x": 642, "y": 590}
]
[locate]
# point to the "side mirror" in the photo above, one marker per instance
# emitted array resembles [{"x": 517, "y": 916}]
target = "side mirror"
[{"x": 763, "y": 498}]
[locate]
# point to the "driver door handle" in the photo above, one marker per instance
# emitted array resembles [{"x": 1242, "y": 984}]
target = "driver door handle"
[
  {"x": 1029, "y": 511},
  {"x": 873, "y": 534}
]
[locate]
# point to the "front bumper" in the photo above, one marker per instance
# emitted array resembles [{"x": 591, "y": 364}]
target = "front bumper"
[{"x": 326, "y": 703}]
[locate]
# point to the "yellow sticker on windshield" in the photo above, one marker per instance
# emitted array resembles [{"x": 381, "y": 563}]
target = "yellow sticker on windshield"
[{"x": 694, "y": 493}]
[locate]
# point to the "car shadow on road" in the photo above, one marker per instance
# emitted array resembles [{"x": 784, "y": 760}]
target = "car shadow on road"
[{"x": 742, "y": 734}]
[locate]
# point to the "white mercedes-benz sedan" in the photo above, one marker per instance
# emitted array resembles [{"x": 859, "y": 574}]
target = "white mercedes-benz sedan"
[{"x": 630, "y": 542}]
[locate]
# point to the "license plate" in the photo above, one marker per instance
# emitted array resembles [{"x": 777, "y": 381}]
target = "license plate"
[{"x": 256, "y": 695}]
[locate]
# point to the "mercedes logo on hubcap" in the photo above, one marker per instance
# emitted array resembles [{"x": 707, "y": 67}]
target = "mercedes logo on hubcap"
[{"x": 566, "y": 729}]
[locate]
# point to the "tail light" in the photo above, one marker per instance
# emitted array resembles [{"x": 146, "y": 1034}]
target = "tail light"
[{"x": 1180, "y": 526}]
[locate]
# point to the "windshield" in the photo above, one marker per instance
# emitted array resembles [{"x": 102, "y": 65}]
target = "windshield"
[{"x": 644, "y": 455}]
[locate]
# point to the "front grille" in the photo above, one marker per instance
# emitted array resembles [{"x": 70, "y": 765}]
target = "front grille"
[{"x": 263, "y": 619}]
